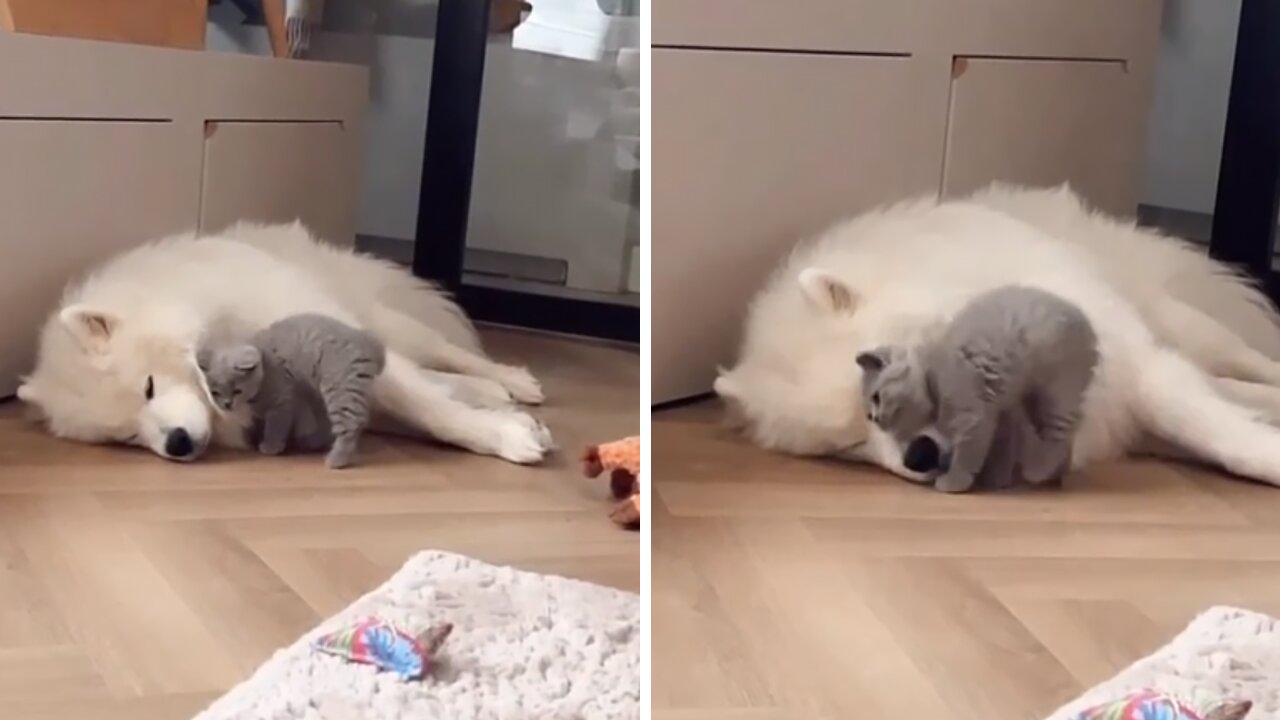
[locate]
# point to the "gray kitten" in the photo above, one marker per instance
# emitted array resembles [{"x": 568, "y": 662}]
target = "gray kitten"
[
  {"x": 307, "y": 379},
  {"x": 999, "y": 391}
]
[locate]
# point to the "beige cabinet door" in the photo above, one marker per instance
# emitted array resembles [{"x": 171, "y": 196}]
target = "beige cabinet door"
[
  {"x": 1044, "y": 122},
  {"x": 751, "y": 153},
  {"x": 280, "y": 172},
  {"x": 72, "y": 193},
  {"x": 864, "y": 26}
]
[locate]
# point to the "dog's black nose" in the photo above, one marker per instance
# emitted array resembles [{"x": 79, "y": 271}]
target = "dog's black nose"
[
  {"x": 922, "y": 455},
  {"x": 178, "y": 444}
]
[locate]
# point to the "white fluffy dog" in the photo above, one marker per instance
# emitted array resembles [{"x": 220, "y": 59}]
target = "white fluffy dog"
[
  {"x": 1187, "y": 346},
  {"x": 116, "y": 361}
]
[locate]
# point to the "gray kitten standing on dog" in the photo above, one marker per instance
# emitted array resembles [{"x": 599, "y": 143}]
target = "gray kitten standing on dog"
[
  {"x": 307, "y": 380},
  {"x": 998, "y": 393}
]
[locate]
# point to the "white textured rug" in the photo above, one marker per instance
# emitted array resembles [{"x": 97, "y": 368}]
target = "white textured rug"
[
  {"x": 523, "y": 646},
  {"x": 1225, "y": 652}
]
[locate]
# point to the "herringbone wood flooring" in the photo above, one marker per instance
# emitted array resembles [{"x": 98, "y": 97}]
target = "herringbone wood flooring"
[
  {"x": 797, "y": 589},
  {"x": 135, "y": 589}
]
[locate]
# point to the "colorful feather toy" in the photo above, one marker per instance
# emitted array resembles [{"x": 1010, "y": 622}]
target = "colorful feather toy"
[
  {"x": 1155, "y": 705},
  {"x": 376, "y": 642}
]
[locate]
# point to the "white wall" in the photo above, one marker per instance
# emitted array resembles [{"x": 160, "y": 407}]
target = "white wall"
[{"x": 1184, "y": 145}]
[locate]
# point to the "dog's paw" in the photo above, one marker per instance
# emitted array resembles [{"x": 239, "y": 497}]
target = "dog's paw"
[
  {"x": 482, "y": 393},
  {"x": 522, "y": 385},
  {"x": 522, "y": 438}
]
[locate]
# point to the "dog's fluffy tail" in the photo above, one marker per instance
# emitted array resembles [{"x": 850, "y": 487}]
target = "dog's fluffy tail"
[
  {"x": 1145, "y": 265},
  {"x": 1175, "y": 401},
  {"x": 357, "y": 278}
]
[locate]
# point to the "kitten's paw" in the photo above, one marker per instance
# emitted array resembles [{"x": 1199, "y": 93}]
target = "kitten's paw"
[
  {"x": 522, "y": 385},
  {"x": 1049, "y": 468},
  {"x": 1053, "y": 477},
  {"x": 270, "y": 448},
  {"x": 522, "y": 438},
  {"x": 954, "y": 483},
  {"x": 337, "y": 461},
  {"x": 343, "y": 452}
]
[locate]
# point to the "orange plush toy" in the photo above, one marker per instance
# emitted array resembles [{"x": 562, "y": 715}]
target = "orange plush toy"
[{"x": 621, "y": 459}]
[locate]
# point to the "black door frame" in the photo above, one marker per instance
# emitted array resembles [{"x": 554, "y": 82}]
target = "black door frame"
[
  {"x": 1248, "y": 198},
  {"x": 444, "y": 195}
]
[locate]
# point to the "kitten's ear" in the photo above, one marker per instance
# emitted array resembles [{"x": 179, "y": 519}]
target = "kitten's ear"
[
  {"x": 1232, "y": 710},
  {"x": 92, "y": 327},
  {"x": 931, "y": 388},
  {"x": 873, "y": 361},
  {"x": 246, "y": 359},
  {"x": 203, "y": 358},
  {"x": 827, "y": 293}
]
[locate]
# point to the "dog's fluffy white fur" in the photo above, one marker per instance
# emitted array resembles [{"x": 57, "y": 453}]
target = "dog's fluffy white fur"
[
  {"x": 136, "y": 320},
  {"x": 1187, "y": 346}
]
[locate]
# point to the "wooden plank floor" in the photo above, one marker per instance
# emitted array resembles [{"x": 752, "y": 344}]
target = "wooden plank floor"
[
  {"x": 794, "y": 589},
  {"x": 136, "y": 589}
]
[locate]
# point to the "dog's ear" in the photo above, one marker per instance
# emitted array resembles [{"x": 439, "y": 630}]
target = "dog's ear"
[
  {"x": 246, "y": 358},
  {"x": 726, "y": 386},
  {"x": 827, "y": 293},
  {"x": 28, "y": 393},
  {"x": 730, "y": 394},
  {"x": 92, "y": 327}
]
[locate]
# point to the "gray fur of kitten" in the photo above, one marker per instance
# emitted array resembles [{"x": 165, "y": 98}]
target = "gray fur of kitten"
[
  {"x": 307, "y": 380},
  {"x": 1000, "y": 391}
]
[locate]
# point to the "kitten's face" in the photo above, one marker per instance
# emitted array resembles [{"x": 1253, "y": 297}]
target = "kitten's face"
[
  {"x": 233, "y": 374},
  {"x": 896, "y": 392}
]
